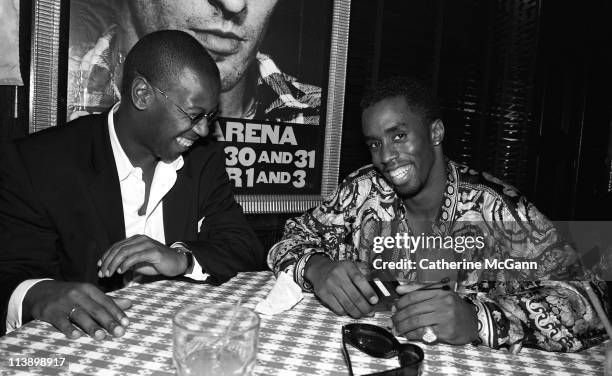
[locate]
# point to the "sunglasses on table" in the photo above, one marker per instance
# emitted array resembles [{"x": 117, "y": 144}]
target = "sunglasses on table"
[{"x": 380, "y": 343}]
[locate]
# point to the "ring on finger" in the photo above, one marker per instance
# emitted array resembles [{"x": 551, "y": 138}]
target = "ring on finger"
[
  {"x": 429, "y": 336},
  {"x": 72, "y": 311}
]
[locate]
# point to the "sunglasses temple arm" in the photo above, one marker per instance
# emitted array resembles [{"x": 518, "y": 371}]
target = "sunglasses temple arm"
[
  {"x": 347, "y": 358},
  {"x": 430, "y": 285}
]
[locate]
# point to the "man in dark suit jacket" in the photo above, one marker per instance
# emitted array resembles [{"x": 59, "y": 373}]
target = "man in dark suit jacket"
[{"x": 134, "y": 191}]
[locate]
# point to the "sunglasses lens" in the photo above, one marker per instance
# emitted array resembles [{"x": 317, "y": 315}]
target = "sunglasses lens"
[
  {"x": 410, "y": 355},
  {"x": 371, "y": 339}
]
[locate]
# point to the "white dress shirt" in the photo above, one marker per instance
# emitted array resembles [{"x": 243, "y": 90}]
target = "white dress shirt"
[{"x": 150, "y": 224}]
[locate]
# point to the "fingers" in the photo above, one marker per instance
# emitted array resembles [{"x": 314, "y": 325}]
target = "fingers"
[
  {"x": 363, "y": 267},
  {"x": 345, "y": 289},
  {"x": 416, "y": 317},
  {"x": 454, "y": 319},
  {"x": 82, "y": 318},
  {"x": 414, "y": 324},
  {"x": 333, "y": 304},
  {"x": 416, "y": 297},
  {"x": 112, "y": 259},
  {"x": 68, "y": 305},
  {"x": 341, "y": 302},
  {"x": 362, "y": 284},
  {"x": 115, "y": 308},
  {"x": 131, "y": 258},
  {"x": 415, "y": 309},
  {"x": 353, "y": 291},
  {"x": 353, "y": 303},
  {"x": 122, "y": 303},
  {"x": 115, "y": 247},
  {"x": 98, "y": 314},
  {"x": 417, "y": 334},
  {"x": 65, "y": 326},
  {"x": 411, "y": 286}
]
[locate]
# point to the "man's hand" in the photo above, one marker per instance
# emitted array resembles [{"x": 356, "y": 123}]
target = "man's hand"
[
  {"x": 144, "y": 255},
  {"x": 341, "y": 285},
  {"x": 453, "y": 320},
  {"x": 96, "y": 313}
]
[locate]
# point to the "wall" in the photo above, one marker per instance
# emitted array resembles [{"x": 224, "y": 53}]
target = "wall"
[{"x": 15, "y": 123}]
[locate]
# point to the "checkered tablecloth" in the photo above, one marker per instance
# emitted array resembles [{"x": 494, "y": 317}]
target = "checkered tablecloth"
[{"x": 303, "y": 341}]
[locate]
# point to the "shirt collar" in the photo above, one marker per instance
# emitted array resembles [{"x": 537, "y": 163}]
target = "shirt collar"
[
  {"x": 124, "y": 166},
  {"x": 279, "y": 84}
]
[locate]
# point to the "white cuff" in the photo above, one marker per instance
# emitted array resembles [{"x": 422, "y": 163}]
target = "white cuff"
[
  {"x": 13, "y": 315},
  {"x": 196, "y": 273}
]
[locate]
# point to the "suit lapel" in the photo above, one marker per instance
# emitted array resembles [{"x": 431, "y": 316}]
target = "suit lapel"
[
  {"x": 104, "y": 185},
  {"x": 178, "y": 208}
]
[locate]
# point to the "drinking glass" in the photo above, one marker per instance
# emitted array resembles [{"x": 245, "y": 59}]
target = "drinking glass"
[
  {"x": 608, "y": 360},
  {"x": 215, "y": 339}
]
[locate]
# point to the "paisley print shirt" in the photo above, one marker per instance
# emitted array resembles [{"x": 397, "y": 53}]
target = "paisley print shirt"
[{"x": 544, "y": 306}]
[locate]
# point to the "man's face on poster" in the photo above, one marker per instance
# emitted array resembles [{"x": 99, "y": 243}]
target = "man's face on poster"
[{"x": 231, "y": 30}]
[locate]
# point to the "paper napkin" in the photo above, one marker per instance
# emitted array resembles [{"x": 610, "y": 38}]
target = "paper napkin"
[{"x": 283, "y": 296}]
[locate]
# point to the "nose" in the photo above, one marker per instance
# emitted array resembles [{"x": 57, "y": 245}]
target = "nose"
[
  {"x": 388, "y": 153},
  {"x": 229, "y": 6},
  {"x": 201, "y": 128}
]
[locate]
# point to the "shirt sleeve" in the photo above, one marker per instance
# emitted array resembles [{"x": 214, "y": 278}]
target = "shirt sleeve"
[
  {"x": 546, "y": 307},
  {"x": 322, "y": 230},
  {"x": 197, "y": 273},
  {"x": 13, "y": 316},
  {"x": 554, "y": 316}
]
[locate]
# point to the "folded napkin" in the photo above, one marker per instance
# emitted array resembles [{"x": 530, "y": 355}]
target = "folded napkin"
[{"x": 283, "y": 296}]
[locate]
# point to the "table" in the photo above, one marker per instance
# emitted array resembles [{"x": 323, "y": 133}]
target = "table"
[{"x": 303, "y": 341}]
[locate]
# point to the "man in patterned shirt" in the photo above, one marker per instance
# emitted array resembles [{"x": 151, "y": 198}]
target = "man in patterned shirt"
[
  {"x": 252, "y": 86},
  {"x": 412, "y": 189}
]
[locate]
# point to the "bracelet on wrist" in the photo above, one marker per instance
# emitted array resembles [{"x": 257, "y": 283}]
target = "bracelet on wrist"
[{"x": 189, "y": 257}]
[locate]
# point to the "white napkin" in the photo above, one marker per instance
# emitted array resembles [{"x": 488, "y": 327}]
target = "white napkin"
[{"x": 283, "y": 296}]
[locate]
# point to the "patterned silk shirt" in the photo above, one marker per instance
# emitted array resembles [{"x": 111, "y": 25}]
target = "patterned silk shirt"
[
  {"x": 543, "y": 306},
  {"x": 95, "y": 70}
]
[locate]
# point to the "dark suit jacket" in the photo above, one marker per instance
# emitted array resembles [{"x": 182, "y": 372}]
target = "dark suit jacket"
[{"x": 61, "y": 209}]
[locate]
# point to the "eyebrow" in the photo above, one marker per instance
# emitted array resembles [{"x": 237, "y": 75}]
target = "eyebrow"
[{"x": 395, "y": 128}]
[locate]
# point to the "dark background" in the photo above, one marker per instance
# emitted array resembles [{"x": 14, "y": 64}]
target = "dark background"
[
  {"x": 525, "y": 87},
  {"x": 306, "y": 56}
]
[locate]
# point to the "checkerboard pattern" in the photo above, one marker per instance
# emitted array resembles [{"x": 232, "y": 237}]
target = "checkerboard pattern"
[{"x": 303, "y": 341}]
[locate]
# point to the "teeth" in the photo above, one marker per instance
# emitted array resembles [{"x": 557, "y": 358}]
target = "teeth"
[
  {"x": 184, "y": 142},
  {"x": 399, "y": 172}
]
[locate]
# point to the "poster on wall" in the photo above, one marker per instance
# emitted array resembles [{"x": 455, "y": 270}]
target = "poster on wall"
[
  {"x": 9, "y": 43},
  {"x": 282, "y": 66},
  {"x": 273, "y": 57}
]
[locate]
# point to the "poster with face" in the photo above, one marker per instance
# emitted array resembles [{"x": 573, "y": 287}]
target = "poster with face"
[{"x": 274, "y": 61}]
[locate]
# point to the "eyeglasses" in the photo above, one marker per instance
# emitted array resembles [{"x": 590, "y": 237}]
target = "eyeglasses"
[
  {"x": 210, "y": 117},
  {"x": 379, "y": 343}
]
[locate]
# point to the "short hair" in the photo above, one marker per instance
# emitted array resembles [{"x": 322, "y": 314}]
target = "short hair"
[
  {"x": 418, "y": 94},
  {"x": 160, "y": 57}
]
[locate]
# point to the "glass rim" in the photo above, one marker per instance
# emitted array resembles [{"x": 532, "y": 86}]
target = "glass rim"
[{"x": 230, "y": 306}]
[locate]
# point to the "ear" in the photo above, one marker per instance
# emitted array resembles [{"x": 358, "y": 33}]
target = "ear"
[
  {"x": 436, "y": 132},
  {"x": 141, "y": 93}
]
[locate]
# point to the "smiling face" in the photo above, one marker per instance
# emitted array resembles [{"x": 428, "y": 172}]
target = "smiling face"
[
  {"x": 231, "y": 30},
  {"x": 400, "y": 144},
  {"x": 172, "y": 133}
]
